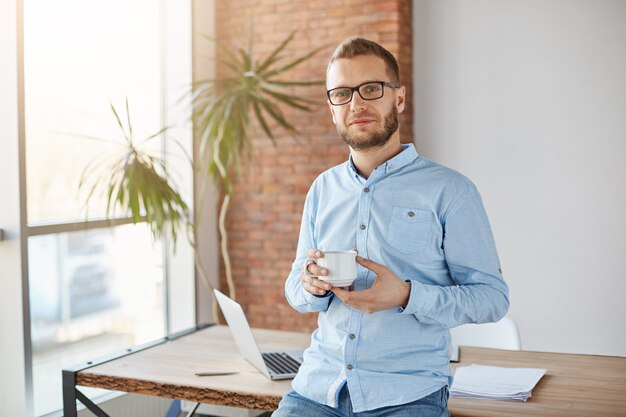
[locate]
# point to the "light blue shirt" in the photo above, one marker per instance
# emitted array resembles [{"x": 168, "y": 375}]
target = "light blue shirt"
[{"x": 427, "y": 224}]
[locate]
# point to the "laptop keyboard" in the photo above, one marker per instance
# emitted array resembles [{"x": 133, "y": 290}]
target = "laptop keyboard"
[{"x": 280, "y": 363}]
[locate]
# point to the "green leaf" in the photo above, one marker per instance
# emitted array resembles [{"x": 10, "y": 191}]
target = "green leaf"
[
  {"x": 276, "y": 114},
  {"x": 119, "y": 122},
  {"x": 274, "y": 56},
  {"x": 154, "y": 135},
  {"x": 254, "y": 104},
  {"x": 236, "y": 67},
  {"x": 223, "y": 108},
  {"x": 184, "y": 151},
  {"x": 229, "y": 55},
  {"x": 130, "y": 127},
  {"x": 288, "y": 100},
  {"x": 262, "y": 123},
  {"x": 293, "y": 63},
  {"x": 245, "y": 59},
  {"x": 211, "y": 107},
  {"x": 138, "y": 184}
]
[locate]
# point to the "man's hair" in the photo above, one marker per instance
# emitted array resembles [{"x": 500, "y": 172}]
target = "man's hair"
[{"x": 356, "y": 46}]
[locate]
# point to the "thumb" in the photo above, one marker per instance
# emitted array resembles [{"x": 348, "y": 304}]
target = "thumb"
[
  {"x": 339, "y": 292},
  {"x": 371, "y": 265}
]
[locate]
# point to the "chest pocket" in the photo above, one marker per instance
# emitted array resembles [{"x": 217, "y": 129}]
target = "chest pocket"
[{"x": 410, "y": 230}]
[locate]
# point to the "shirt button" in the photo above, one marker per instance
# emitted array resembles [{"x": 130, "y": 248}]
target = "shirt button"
[
  {"x": 352, "y": 336},
  {"x": 367, "y": 190},
  {"x": 362, "y": 227},
  {"x": 390, "y": 168},
  {"x": 349, "y": 367},
  {"x": 411, "y": 214}
]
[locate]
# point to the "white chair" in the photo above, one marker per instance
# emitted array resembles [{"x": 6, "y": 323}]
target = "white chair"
[{"x": 500, "y": 335}]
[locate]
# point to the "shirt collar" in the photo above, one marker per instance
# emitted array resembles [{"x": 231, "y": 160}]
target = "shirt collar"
[{"x": 408, "y": 155}]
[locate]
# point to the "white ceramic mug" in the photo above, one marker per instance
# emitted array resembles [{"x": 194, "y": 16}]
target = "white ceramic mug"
[{"x": 341, "y": 265}]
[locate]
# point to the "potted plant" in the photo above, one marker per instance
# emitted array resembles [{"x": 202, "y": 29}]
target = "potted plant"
[{"x": 225, "y": 111}]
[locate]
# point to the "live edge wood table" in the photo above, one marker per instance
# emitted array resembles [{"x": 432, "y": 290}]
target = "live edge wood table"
[{"x": 575, "y": 385}]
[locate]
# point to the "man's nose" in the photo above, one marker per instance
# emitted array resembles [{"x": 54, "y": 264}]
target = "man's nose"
[{"x": 357, "y": 102}]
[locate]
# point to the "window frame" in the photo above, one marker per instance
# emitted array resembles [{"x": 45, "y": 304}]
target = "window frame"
[{"x": 17, "y": 384}]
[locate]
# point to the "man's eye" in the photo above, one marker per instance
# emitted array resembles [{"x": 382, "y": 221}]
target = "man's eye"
[
  {"x": 342, "y": 93},
  {"x": 372, "y": 88}
]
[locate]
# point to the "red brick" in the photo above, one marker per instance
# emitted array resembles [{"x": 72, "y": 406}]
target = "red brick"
[{"x": 266, "y": 209}]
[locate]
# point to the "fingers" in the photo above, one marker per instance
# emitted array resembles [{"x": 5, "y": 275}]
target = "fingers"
[
  {"x": 350, "y": 288},
  {"x": 349, "y": 298},
  {"x": 340, "y": 292},
  {"x": 314, "y": 285},
  {"x": 314, "y": 253},
  {"x": 313, "y": 268},
  {"x": 360, "y": 300},
  {"x": 371, "y": 265}
]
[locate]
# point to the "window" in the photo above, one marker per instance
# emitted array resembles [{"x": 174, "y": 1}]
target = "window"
[{"x": 97, "y": 287}]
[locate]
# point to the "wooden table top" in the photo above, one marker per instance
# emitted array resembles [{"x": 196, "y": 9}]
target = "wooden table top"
[{"x": 574, "y": 385}]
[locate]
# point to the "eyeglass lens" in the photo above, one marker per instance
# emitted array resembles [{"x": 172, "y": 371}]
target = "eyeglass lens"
[{"x": 369, "y": 91}]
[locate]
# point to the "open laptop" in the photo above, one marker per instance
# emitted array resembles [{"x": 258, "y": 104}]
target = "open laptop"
[{"x": 274, "y": 365}]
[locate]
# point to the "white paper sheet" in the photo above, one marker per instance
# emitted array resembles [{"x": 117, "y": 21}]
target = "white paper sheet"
[{"x": 491, "y": 382}]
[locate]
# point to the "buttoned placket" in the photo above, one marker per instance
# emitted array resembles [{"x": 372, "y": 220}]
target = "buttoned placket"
[{"x": 366, "y": 196}]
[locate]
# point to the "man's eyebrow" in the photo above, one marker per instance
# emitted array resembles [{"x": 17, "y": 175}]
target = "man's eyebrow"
[{"x": 364, "y": 82}]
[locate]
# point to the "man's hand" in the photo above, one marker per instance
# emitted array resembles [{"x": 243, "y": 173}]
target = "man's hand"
[
  {"x": 387, "y": 292},
  {"x": 310, "y": 284}
]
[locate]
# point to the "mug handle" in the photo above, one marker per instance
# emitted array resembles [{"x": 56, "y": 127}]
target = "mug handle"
[{"x": 308, "y": 262}]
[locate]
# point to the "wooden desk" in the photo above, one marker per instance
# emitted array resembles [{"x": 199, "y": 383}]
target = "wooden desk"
[{"x": 575, "y": 385}]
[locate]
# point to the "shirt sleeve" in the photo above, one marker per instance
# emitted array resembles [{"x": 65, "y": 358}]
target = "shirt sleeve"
[
  {"x": 300, "y": 299},
  {"x": 480, "y": 295}
]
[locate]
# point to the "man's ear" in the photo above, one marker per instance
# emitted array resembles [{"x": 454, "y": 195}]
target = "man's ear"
[{"x": 401, "y": 99}]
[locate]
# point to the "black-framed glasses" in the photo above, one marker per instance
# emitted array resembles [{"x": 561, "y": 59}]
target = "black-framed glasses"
[{"x": 371, "y": 90}]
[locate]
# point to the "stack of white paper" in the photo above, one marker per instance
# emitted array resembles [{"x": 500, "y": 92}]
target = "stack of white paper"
[{"x": 491, "y": 382}]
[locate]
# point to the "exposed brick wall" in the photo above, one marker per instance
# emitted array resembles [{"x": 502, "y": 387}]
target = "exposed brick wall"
[{"x": 266, "y": 209}]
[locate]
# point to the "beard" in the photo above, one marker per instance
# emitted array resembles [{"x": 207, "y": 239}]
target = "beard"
[{"x": 377, "y": 139}]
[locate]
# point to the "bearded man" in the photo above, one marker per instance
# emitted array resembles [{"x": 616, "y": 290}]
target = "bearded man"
[{"x": 427, "y": 258}]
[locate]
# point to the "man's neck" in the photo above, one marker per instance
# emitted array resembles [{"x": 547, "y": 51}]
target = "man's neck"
[{"x": 367, "y": 160}]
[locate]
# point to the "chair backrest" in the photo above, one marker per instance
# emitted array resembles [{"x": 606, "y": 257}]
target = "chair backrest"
[{"x": 500, "y": 335}]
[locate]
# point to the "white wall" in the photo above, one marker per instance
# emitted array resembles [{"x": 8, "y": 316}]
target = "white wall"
[{"x": 528, "y": 99}]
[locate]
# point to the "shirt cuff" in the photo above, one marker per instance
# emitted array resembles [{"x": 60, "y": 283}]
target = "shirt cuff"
[
  {"x": 317, "y": 300},
  {"x": 416, "y": 298}
]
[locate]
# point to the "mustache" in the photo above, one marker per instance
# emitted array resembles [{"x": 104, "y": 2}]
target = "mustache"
[
  {"x": 377, "y": 139},
  {"x": 362, "y": 116}
]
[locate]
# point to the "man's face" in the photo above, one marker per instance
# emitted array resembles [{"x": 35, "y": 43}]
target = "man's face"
[{"x": 364, "y": 124}]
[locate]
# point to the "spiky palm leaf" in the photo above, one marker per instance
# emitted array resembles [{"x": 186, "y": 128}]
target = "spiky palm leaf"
[
  {"x": 224, "y": 108},
  {"x": 223, "y": 111},
  {"x": 137, "y": 184}
]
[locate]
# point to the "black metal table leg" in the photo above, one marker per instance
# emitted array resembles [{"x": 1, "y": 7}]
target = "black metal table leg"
[
  {"x": 69, "y": 394},
  {"x": 90, "y": 405}
]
